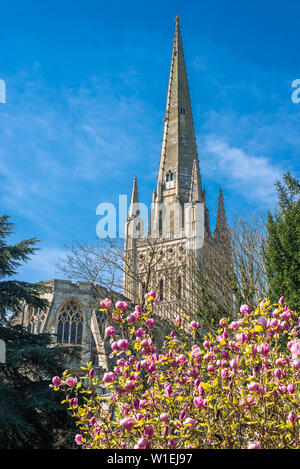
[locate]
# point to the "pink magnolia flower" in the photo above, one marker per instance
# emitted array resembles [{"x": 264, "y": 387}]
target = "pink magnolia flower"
[
  {"x": 123, "y": 344},
  {"x": 109, "y": 377},
  {"x": 201, "y": 389},
  {"x": 248, "y": 402},
  {"x": 262, "y": 321},
  {"x": 142, "y": 444},
  {"x": 290, "y": 388},
  {"x": 149, "y": 323},
  {"x": 223, "y": 322},
  {"x": 241, "y": 338},
  {"x": 264, "y": 349},
  {"x": 172, "y": 443},
  {"x": 181, "y": 359},
  {"x": 78, "y": 439},
  {"x": 121, "y": 305},
  {"x": 129, "y": 386},
  {"x": 291, "y": 417},
  {"x": 149, "y": 431},
  {"x": 253, "y": 387},
  {"x": 105, "y": 303},
  {"x": 277, "y": 373},
  {"x": 164, "y": 417},
  {"x": 92, "y": 373},
  {"x": 74, "y": 402},
  {"x": 281, "y": 300},
  {"x": 233, "y": 364},
  {"x": 127, "y": 423},
  {"x": 151, "y": 294},
  {"x": 190, "y": 422},
  {"x": 110, "y": 331},
  {"x": 56, "y": 381},
  {"x": 138, "y": 309},
  {"x": 194, "y": 325},
  {"x": 245, "y": 310},
  {"x": 140, "y": 333},
  {"x": 224, "y": 373},
  {"x": 211, "y": 369},
  {"x": 71, "y": 382},
  {"x": 115, "y": 346},
  {"x": 198, "y": 401},
  {"x": 179, "y": 320},
  {"x": 254, "y": 445},
  {"x": 234, "y": 325},
  {"x": 131, "y": 319},
  {"x": 196, "y": 352},
  {"x": 295, "y": 348}
]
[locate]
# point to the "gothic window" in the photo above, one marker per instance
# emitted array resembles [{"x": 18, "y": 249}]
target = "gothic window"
[
  {"x": 182, "y": 111},
  {"x": 102, "y": 322},
  {"x": 161, "y": 289},
  {"x": 94, "y": 352},
  {"x": 70, "y": 323},
  {"x": 170, "y": 180},
  {"x": 160, "y": 224},
  {"x": 36, "y": 321},
  {"x": 142, "y": 290},
  {"x": 179, "y": 287}
]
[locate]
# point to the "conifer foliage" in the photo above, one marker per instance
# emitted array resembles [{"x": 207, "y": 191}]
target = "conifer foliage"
[
  {"x": 29, "y": 415},
  {"x": 282, "y": 246},
  {"x": 14, "y": 293}
]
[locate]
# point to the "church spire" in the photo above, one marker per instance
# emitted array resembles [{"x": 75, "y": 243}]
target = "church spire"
[
  {"x": 133, "y": 207},
  {"x": 221, "y": 224},
  {"x": 196, "y": 194},
  {"x": 179, "y": 143}
]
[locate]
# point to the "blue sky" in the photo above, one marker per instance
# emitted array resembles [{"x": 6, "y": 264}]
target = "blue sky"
[{"x": 86, "y": 90}]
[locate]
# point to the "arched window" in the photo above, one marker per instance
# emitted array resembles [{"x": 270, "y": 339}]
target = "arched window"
[
  {"x": 70, "y": 323},
  {"x": 179, "y": 287},
  {"x": 94, "y": 352},
  {"x": 160, "y": 223},
  {"x": 161, "y": 289},
  {"x": 36, "y": 321},
  {"x": 169, "y": 180},
  {"x": 102, "y": 322}
]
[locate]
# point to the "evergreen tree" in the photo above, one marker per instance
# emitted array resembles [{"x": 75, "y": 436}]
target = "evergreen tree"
[
  {"x": 14, "y": 293},
  {"x": 30, "y": 414},
  {"x": 282, "y": 246}
]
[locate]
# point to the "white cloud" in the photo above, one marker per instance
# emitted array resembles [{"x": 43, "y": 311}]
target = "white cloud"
[
  {"x": 42, "y": 266},
  {"x": 249, "y": 176}
]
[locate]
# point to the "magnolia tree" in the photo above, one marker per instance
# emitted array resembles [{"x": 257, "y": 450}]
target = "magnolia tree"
[{"x": 237, "y": 389}]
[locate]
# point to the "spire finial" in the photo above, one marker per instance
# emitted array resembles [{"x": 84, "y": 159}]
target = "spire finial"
[{"x": 177, "y": 19}]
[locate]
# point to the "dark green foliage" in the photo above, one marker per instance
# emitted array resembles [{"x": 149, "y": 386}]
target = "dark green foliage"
[
  {"x": 282, "y": 246},
  {"x": 30, "y": 412},
  {"x": 14, "y": 293}
]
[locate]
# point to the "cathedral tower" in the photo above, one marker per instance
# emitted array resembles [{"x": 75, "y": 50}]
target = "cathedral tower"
[{"x": 161, "y": 259}]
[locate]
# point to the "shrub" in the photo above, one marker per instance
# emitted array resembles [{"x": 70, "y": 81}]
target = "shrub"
[{"x": 238, "y": 389}]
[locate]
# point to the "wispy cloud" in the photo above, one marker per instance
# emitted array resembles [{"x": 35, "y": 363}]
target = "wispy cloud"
[
  {"x": 42, "y": 266},
  {"x": 249, "y": 176},
  {"x": 51, "y": 151}
]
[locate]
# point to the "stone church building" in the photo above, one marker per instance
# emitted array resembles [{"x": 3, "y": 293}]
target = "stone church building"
[
  {"x": 161, "y": 259},
  {"x": 164, "y": 257}
]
